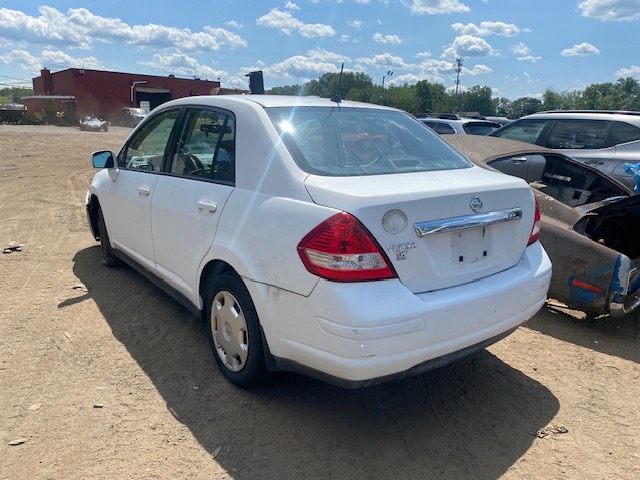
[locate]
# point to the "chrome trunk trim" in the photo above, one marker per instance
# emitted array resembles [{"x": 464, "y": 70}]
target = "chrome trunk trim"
[{"x": 466, "y": 222}]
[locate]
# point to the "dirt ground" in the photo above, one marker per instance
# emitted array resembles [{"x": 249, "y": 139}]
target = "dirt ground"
[{"x": 102, "y": 376}]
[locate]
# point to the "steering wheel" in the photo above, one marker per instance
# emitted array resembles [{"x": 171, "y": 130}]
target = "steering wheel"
[{"x": 192, "y": 163}]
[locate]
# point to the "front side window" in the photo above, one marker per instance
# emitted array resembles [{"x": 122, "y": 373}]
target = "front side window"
[
  {"x": 145, "y": 151},
  {"x": 578, "y": 134},
  {"x": 334, "y": 141},
  {"x": 524, "y": 130},
  {"x": 206, "y": 146}
]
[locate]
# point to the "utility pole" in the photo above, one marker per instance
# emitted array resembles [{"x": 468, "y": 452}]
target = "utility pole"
[
  {"x": 389, "y": 73},
  {"x": 458, "y": 68}
]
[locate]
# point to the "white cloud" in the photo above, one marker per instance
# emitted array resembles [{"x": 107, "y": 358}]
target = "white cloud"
[
  {"x": 286, "y": 24},
  {"x": 321, "y": 55},
  {"x": 182, "y": 65},
  {"x": 357, "y": 24},
  {"x": 580, "y": 50},
  {"x": 291, "y": 6},
  {"x": 234, "y": 24},
  {"x": 487, "y": 28},
  {"x": 80, "y": 28},
  {"x": 632, "y": 71},
  {"x": 433, "y": 7},
  {"x": 426, "y": 54},
  {"x": 610, "y": 10},
  {"x": 53, "y": 59},
  {"x": 387, "y": 39},
  {"x": 468, "y": 46},
  {"x": 301, "y": 68},
  {"x": 477, "y": 70},
  {"x": 520, "y": 49},
  {"x": 384, "y": 60},
  {"x": 523, "y": 51}
]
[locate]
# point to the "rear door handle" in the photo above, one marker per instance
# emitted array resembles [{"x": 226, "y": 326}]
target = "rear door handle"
[
  {"x": 206, "y": 205},
  {"x": 144, "y": 191}
]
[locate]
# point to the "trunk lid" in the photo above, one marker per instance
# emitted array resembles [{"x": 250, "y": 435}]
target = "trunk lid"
[{"x": 425, "y": 224}]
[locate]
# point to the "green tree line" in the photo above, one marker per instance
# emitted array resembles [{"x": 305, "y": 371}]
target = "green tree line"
[
  {"x": 426, "y": 97},
  {"x": 14, "y": 94}
]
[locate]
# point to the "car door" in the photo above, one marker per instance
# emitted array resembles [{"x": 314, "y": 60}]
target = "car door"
[
  {"x": 128, "y": 203},
  {"x": 529, "y": 167},
  {"x": 189, "y": 198}
]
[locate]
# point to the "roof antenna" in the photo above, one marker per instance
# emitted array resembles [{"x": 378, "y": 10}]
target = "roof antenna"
[{"x": 336, "y": 98}]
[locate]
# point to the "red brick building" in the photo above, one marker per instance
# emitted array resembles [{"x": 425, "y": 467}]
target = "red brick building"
[{"x": 75, "y": 92}]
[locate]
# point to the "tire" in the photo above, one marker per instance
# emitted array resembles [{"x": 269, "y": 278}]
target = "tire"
[
  {"x": 234, "y": 332},
  {"x": 108, "y": 258}
]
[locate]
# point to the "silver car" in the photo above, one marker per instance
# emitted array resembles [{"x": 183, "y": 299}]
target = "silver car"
[
  {"x": 603, "y": 139},
  {"x": 460, "y": 125}
]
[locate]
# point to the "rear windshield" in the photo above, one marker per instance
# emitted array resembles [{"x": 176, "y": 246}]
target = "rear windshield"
[{"x": 334, "y": 141}]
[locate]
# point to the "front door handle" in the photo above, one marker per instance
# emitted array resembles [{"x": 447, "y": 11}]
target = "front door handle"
[
  {"x": 518, "y": 160},
  {"x": 144, "y": 191},
  {"x": 206, "y": 205}
]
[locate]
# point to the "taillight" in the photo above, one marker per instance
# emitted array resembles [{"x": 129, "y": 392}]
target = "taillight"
[
  {"x": 341, "y": 249},
  {"x": 535, "y": 230}
]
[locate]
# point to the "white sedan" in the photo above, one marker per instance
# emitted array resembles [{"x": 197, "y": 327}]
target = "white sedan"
[{"x": 341, "y": 240}]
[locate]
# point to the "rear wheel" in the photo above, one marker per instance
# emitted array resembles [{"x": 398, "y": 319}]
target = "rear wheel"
[
  {"x": 234, "y": 332},
  {"x": 108, "y": 258}
]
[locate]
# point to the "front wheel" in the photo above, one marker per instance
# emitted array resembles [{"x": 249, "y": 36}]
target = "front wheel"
[{"x": 234, "y": 332}]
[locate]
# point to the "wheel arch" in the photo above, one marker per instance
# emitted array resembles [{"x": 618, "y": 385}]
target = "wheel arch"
[
  {"x": 215, "y": 268},
  {"x": 93, "y": 205}
]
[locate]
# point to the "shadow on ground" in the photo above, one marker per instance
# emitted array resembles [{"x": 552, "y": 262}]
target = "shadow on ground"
[
  {"x": 473, "y": 419},
  {"x": 619, "y": 337}
]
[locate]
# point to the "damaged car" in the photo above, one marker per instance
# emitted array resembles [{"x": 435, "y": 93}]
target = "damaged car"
[
  {"x": 91, "y": 123},
  {"x": 588, "y": 223}
]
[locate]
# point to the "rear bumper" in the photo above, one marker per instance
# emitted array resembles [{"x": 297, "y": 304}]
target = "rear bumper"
[{"x": 358, "y": 334}]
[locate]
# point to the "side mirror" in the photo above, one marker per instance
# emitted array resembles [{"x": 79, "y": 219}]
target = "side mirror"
[{"x": 103, "y": 159}]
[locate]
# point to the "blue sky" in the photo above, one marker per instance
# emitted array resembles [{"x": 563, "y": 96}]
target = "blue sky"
[{"x": 517, "y": 47}]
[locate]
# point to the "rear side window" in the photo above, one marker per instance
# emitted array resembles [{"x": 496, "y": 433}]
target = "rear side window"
[
  {"x": 338, "y": 141},
  {"x": 523, "y": 130},
  {"x": 579, "y": 134},
  {"x": 443, "y": 128},
  {"x": 624, "y": 132},
  {"x": 479, "y": 128}
]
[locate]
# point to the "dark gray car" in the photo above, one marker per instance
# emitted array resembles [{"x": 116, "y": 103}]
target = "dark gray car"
[{"x": 602, "y": 139}]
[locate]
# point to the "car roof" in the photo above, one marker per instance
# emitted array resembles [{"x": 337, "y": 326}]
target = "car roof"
[
  {"x": 624, "y": 115},
  {"x": 484, "y": 149},
  {"x": 267, "y": 101}
]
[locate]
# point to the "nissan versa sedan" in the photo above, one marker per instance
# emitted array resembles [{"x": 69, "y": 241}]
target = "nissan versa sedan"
[
  {"x": 589, "y": 227},
  {"x": 341, "y": 240}
]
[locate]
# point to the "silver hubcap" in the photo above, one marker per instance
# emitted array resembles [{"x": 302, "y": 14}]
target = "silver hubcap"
[{"x": 229, "y": 331}]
